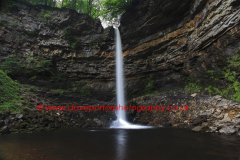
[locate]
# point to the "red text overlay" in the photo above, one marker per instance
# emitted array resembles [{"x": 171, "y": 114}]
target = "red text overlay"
[{"x": 40, "y": 107}]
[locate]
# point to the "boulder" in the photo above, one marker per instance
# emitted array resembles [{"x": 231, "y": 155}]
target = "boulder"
[
  {"x": 19, "y": 116},
  {"x": 200, "y": 129},
  {"x": 228, "y": 130},
  {"x": 4, "y": 129}
]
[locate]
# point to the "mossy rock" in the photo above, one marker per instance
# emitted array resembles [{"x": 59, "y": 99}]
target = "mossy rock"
[
  {"x": 21, "y": 126},
  {"x": 31, "y": 129},
  {"x": 13, "y": 130},
  {"x": 48, "y": 129}
]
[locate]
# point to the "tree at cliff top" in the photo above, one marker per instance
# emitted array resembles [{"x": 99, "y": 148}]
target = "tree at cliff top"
[
  {"x": 113, "y": 9},
  {"x": 109, "y": 11},
  {"x": 90, "y": 7}
]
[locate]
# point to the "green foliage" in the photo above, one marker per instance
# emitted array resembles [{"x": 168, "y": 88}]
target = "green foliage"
[
  {"x": 57, "y": 77},
  {"x": 67, "y": 33},
  {"x": 74, "y": 89},
  {"x": 108, "y": 9},
  {"x": 31, "y": 67},
  {"x": 154, "y": 93},
  {"x": 10, "y": 65},
  {"x": 9, "y": 93},
  {"x": 149, "y": 88},
  {"x": 85, "y": 91},
  {"x": 85, "y": 69},
  {"x": 90, "y": 7},
  {"x": 238, "y": 51},
  {"x": 10, "y": 4},
  {"x": 235, "y": 62},
  {"x": 150, "y": 84},
  {"x": 8, "y": 88},
  {"x": 13, "y": 23},
  {"x": 193, "y": 85},
  {"x": 10, "y": 106},
  {"x": 33, "y": 78},
  {"x": 228, "y": 77},
  {"x": 61, "y": 91},
  {"x": 47, "y": 16},
  {"x": 51, "y": 3},
  {"x": 79, "y": 82},
  {"x": 34, "y": 67},
  {"x": 114, "y": 8},
  {"x": 75, "y": 43},
  {"x": 3, "y": 22},
  {"x": 114, "y": 91}
]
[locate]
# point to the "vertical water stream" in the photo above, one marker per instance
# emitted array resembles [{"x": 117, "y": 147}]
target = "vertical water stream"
[{"x": 121, "y": 115}]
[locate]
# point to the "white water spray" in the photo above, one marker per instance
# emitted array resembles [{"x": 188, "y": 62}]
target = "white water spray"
[
  {"x": 121, "y": 117},
  {"x": 119, "y": 76}
]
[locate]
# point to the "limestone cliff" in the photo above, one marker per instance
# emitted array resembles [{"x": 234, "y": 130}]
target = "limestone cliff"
[
  {"x": 169, "y": 40},
  {"x": 76, "y": 45},
  {"x": 165, "y": 41}
]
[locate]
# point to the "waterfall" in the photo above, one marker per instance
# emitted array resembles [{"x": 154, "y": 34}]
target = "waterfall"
[
  {"x": 119, "y": 76},
  {"x": 121, "y": 121}
]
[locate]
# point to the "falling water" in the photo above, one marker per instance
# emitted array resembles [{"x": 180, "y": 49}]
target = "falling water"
[
  {"x": 121, "y": 117},
  {"x": 119, "y": 76}
]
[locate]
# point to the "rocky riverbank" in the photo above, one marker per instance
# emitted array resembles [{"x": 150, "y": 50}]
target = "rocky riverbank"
[
  {"x": 30, "y": 119},
  {"x": 205, "y": 113}
]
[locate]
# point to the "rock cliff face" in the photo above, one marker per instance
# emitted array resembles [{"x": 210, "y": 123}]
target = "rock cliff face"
[
  {"x": 76, "y": 45},
  {"x": 164, "y": 42},
  {"x": 169, "y": 40}
]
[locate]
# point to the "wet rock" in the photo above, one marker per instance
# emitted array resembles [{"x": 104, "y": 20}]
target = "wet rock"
[
  {"x": 198, "y": 121},
  {"x": 204, "y": 115},
  {"x": 236, "y": 121},
  {"x": 6, "y": 121},
  {"x": 99, "y": 123},
  {"x": 218, "y": 124},
  {"x": 213, "y": 129},
  {"x": 186, "y": 122},
  {"x": 19, "y": 116},
  {"x": 194, "y": 95},
  {"x": 1, "y": 123},
  {"x": 20, "y": 126},
  {"x": 228, "y": 130},
  {"x": 217, "y": 97},
  {"x": 91, "y": 123},
  {"x": 220, "y": 116},
  {"x": 226, "y": 118},
  {"x": 4, "y": 129},
  {"x": 175, "y": 125},
  {"x": 237, "y": 116},
  {"x": 200, "y": 129},
  {"x": 57, "y": 125}
]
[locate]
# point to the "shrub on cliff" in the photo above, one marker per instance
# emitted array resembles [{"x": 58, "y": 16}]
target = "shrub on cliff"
[
  {"x": 225, "y": 83},
  {"x": 9, "y": 93}
]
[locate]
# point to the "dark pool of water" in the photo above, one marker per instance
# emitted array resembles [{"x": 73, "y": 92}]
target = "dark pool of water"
[{"x": 119, "y": 144}]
